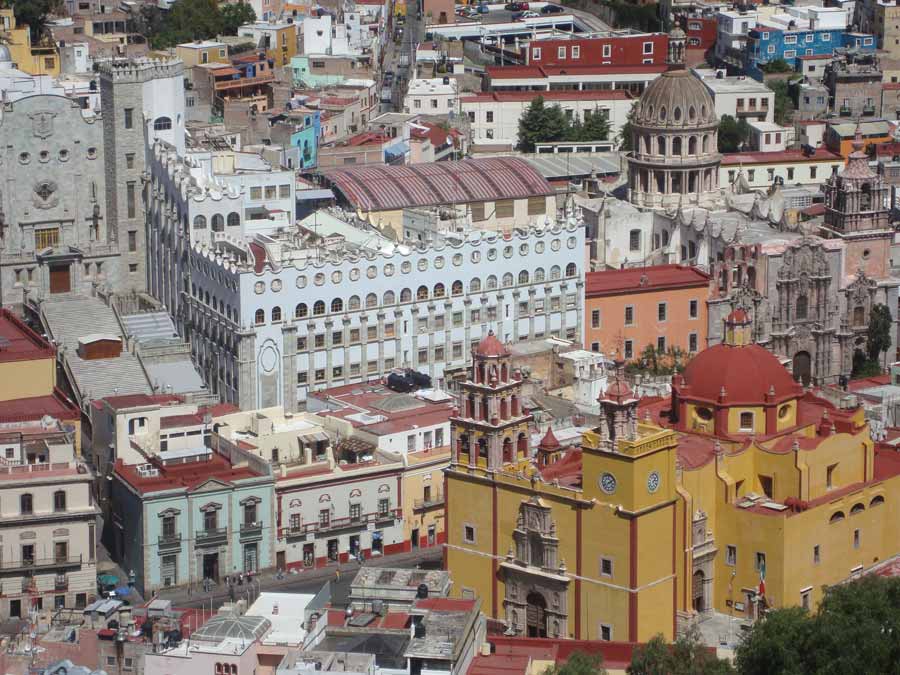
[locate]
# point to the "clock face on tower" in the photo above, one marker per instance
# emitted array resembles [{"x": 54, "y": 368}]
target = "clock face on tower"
[
  {"x": 608, "y": 483},
  {"x": 653, "y": 482}
]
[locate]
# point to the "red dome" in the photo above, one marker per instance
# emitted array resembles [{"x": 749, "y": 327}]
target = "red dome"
[
  {"x": 491, "y": 346},
  {"x": 747, "y": 373},
  {"x": 738, "y": 316}
]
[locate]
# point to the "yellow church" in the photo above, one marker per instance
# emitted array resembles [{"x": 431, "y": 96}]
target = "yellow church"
[{"x": 740, "y": 492}]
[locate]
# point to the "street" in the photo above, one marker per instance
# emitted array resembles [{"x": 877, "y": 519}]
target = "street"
[
  {"x": 412, "y": 35},
  {"x": 307, "y": 581}
]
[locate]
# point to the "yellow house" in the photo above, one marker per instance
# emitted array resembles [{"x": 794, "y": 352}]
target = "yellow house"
[
  {"x": 423, "y": 497},
  {"x": 42, "y": 59},
  {"x": 28, "y": 376},
  {"x": 277, "y": 38},
  {"x": 201, "y": 51},
  {"x": 742, "y": 492}
]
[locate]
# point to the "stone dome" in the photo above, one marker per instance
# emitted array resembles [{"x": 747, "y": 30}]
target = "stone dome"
[{"x": 676, "y": 99}]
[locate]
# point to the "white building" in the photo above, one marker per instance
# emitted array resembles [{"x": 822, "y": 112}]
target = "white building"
[
  {"x": 321, "y": 35},
  {"x": 738, "y": 96},
  {"x": 731, "y": 34},
  {"x": 770, "y": 137},
  {"x": 494, "y": 116},
  {"x": 48, "y": 520},
  {"x": 793, "y": 167},
  {"x": 433, "y": 96},
  {"x": 271, "y": 315}
]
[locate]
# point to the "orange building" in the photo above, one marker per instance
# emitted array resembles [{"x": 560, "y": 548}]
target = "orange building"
[{"x": 661, "y": 305}]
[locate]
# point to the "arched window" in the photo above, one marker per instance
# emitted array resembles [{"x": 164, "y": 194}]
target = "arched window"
[
  {"x": 200, "y": 222},
  {"x": 371, "y": 301},
  {"x": 676, "y": 146},
  {"x": 877, "y": 500},
  {"x": 802, "y": 307},
  {"x": 705, "y": 143},
  {"x": 259, "y": 317},
  {"x": 353, "y": 304},
  {"x": 337, "y": 305},
  {"x": 218, "y": 223},
  {"x": 422, "y": 293},
  {"x": 59, "y": 500},
  {"x": 26, "y": 504},
  {"x": 389, "y": 298},
  {"x": 857, "y": 508},
  {"x": 475, "y": 285},
  {"x": 508, "y": 280},
  {"x": 234, "y": 219},
  {"x": 571, "y": 270},
  {"x": 405, "y": 295},
  {"x": 692, "y": 250},
  {"x": 456, "y": 288},
  {"x": 661, "y": 145},
  {"x": 301, "y": 311},
  {"x": 491, "y": 282},
  {"x": 439, "y": 291},
  {"x": 837, "y": 517},
  {"x": 276, "y": 314},
  {"x": 539, "y": 275},
  {"x": 523, "y": 277},
  {"x": 318, "y": 308},
  {"x": 555, "y": 272},
  {"x": 162, "y": 124},
  {"x": 692, "y": 145}
]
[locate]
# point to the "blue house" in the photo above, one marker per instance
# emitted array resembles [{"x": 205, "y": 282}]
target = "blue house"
[
  {"x": 767, "y": 43},
  {"x": 192, "y": 514},
  {"x": 308, "y": 130}
]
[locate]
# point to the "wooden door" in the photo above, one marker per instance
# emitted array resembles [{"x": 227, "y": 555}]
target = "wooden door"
[{"x": 59, "y": 279}]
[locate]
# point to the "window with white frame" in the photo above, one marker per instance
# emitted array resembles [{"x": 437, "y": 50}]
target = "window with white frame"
[
  {"x": 790, "y": 39},
  {"x": 560, "y": 52},
  {"x": 536, "y": 54},
  {"x": 576, "y": 52},
  {"x": 607, "y": 51},
  {"x": 648, "y": 48},
  {"x": 790, "y": 54}
]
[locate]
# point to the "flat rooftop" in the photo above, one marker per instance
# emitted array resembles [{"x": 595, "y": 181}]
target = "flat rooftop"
[{"x": 182, "y": 476}]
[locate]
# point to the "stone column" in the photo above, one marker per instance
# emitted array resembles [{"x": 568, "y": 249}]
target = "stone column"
[
  {"x": 380, "y": 317},
  {"x": 467, "y": 322},
  {"x": 246, "y": 385},
  {"x": 363, "y": 348},
  {"x": 329, "y": 325},
  {"x": 414, "y": 350},
  {"x": 531, "y": 293},
  {"x": 289, "y": 366},
  {"x": 431, "y": 339},
  {"x": 311, "y": 347},
  {"x": 516, "y": 295},
  {"x": 563, "y": 307}
]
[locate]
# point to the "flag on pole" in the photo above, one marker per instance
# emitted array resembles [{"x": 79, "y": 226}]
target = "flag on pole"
[{"x": 762, "y": 577}]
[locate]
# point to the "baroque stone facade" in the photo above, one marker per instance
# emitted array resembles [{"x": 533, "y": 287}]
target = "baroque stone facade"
[{"x": 55, "y": 233}]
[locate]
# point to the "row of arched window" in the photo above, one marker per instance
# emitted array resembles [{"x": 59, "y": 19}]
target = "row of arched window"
[
  {"x": 218, "y": 221},
  {"x": 838, "y": 516},
  {"x": 677, "y": 146},
  {"x": 319, "y": 308}
]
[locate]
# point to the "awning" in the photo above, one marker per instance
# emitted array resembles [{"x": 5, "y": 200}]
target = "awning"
[
  {"x": 397, "y": 150},
  {"x": 319, "y": 436}
]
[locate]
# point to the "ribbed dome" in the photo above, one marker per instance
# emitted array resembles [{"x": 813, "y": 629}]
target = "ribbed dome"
[{"x": 676, "y": 99}]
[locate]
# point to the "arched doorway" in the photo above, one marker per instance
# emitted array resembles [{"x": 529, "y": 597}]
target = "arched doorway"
[
  {"x": 697, "y": 587},
  {"x": 536, "y": 615},
  {"x": 803, "y": 368},
  {"x": 507, "y": 450}
]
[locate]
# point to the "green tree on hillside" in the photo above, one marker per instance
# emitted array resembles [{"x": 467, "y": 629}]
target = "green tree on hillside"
[
  {"x": 236, "y": 15},
  {"x": 33, "y": 13},
  {"x": 541, "y": 124},
  {"x": 878, "y": 336},
  {"x": 732, "y": 133},
  {"x": 579, "y": 663}
]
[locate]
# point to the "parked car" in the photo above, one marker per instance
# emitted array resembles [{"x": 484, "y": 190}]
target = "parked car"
[
  {"x": 471, "y": 13},
  {"x": 529, "y": 14},
  {"x": 483, "y": 8},
  {"x": 516, "y": 6},
  {"x": 552, "y": 9}
]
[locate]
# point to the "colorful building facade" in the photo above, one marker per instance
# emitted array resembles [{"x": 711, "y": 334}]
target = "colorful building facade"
[{"x": 742, "y": 492}]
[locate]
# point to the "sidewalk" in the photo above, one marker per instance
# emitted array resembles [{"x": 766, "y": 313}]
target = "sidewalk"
[{"x": 266, "y": 581}]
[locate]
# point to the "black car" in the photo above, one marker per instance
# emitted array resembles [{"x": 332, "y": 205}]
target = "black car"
[{"x": 552, "y": 9}]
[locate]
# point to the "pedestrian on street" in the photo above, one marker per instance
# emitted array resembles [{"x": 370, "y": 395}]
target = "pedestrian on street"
[{"x": 337, "y": 574}]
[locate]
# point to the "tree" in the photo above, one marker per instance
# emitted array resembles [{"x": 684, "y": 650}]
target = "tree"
[
  {"x": 687, "y": 656},
  {"x": 784, "y": 104},
  {"x": 777, "y": 66},
  {"x": 732, "y": 133},
  {"x": 579, "y": 663},
  {"x": 878, "y": 336},
  {"x": 541, "y": 124},
  {"x": 189, "y": 20},
  {"x": 856, "y": 629},
  {"x": 595, "y": 127},
  {"x": 236, "y": 15},
  {"x": 626, "y": 133},
  {"x": 33, "y": 13}
]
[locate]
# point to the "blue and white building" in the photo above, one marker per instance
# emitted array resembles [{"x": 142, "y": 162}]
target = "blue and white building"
[{"x": 802, "y": 31}]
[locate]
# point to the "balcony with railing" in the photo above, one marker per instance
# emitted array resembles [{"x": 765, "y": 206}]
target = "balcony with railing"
[
  {"x": 251, "y": 530},
  {"x": 30, "y": 565},
  {"x": 170, "y": 540},
  {"x": 337, "y": 524},
  {"x": 433, "y": 500},
  {"x": 266, "y": 77},
  {"x": 212, "y": 537},
  {"x": 61, "y": 582}
]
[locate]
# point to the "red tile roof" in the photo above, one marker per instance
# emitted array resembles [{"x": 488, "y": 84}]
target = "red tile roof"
[
  {"x": 28, "y": 409},
  {"x": 516, "y": 654},
  {"x": 20, "y": 342},
  {"x": 187, "y": 476},
  {"x": 193, "y": 419},
  {"x": 446, "y": 604},
  {"x": 508, "y": 96},
  {"x": 658, "y": 278},
  {"x": 395, "y": 620},
  {"x": 887, "y": 463},
  {"x": 780, "y": 157}
]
